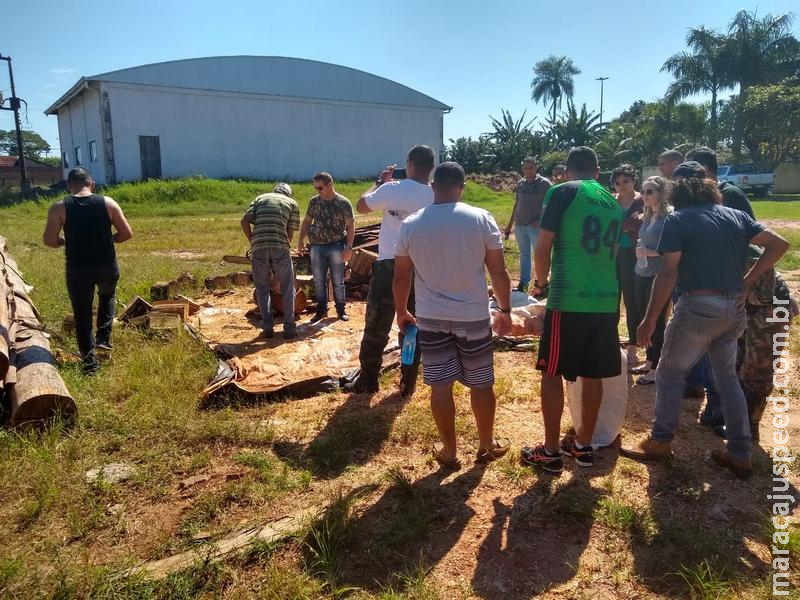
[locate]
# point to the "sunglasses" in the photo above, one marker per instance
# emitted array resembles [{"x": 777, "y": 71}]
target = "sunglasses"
[
  {"x": 320, "y": 188},
  {"x": 649, "y": 191}
]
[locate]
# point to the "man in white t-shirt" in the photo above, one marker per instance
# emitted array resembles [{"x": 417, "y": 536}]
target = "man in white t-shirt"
[
  {"x": 447, "y": 248},
  {"x": 397, "y": 198}
]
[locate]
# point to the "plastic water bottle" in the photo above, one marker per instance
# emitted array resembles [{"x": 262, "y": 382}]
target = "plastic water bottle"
[
  {"x": 409, "y": 345},
  {"x": 641, "y": 260}
]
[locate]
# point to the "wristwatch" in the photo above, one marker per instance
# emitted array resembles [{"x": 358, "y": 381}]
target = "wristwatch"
[{"x": 504, "y": 310}]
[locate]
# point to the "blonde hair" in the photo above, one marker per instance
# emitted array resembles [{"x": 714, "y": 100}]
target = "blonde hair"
[{"x": 662, "y": 186}]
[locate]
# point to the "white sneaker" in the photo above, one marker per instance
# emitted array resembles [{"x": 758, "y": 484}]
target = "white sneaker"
[{"x": 648, "y": 378}]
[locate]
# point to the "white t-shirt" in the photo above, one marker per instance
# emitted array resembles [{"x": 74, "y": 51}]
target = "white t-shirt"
[
  {"x": 397, "y": 199},
  {"x": 447, "y": 244}
]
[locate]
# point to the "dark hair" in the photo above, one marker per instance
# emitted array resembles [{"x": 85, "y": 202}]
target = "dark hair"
[
  {"x": 693, "y": 191},
  {"x": 560, "y": 167},
  {"x": 449, "y": 175},
  {"x": 624, "y": 170},
  {"x": 530, "y": 159},
  {"x": 322, "y": 176},
  {"x": 705, "y": 156},
  {"x": 422, "y": 157},
  {"x": 671, "y": 155},
  {"x": 582, "y": 160},
  {"x": 79, "y": 175}
]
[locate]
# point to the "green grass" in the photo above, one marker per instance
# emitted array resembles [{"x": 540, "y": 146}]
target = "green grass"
[{"x": 775, "y": 209}]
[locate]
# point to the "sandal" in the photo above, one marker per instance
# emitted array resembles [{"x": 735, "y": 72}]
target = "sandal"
[
  {"x": 499, "y": 448},
  {"x": 446, "y": 463},
  {"x": 640, "y": 370}
]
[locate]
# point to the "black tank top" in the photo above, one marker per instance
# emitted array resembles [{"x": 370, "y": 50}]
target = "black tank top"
[{"x": 87, "y": 232}]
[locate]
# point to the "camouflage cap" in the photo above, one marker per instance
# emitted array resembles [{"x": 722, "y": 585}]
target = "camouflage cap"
[{"x": 283, "y": 188}]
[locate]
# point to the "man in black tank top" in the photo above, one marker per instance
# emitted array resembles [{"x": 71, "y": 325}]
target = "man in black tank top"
[{"x": 88, "y": 241}]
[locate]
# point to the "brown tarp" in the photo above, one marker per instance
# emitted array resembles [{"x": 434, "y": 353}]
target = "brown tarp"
[{"x": 317, "y": 359}]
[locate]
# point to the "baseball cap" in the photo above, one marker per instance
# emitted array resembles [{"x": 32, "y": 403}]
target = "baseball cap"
[
  {"x": 283, "y": 188},
  {"x": 690, "y": 168}
]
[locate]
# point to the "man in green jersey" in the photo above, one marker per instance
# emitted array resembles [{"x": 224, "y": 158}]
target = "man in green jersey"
[{"x": 579, "y": 232}]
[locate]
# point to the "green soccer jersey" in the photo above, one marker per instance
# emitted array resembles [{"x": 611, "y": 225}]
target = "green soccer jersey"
[{"x": 587, "y": 222}]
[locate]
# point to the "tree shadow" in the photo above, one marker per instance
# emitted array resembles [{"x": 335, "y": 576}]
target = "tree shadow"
[
  {"x": 354, "y": 433},
  {"x": 411, "y": 527}
]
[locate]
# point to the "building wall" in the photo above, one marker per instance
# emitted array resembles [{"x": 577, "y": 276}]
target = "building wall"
[
  {"x": 224, "y": 134},
  {"x": 787, "y": 178},
  {"x": 79, "y": 124}
]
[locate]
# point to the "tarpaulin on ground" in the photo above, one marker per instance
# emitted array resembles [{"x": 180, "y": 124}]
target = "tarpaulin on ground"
[{"x": 317, "y": 359}]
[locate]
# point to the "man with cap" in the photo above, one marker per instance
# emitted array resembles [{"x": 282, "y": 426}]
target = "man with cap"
[
  {"x": 269, "y": 224},
  {"x": 704, "y": 249}
]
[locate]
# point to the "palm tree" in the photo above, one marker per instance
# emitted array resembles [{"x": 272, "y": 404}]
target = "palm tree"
[
  {"x": 575, "y": 128},
  {"x": 761, "y": 51},
  {"x": 511, "y": 139},
  {"x": 553, "y": 80},
  {"x": 705, "y": 69}
]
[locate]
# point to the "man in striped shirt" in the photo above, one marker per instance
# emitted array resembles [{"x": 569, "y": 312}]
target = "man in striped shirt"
[{"x": 269, "y": 224}]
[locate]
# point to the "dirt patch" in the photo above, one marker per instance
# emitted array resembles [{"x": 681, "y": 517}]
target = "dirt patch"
[
  {"x": 781, "y": 224},
  {"x": 504, "y": 181},
  {"x": 182, "y": 255}
]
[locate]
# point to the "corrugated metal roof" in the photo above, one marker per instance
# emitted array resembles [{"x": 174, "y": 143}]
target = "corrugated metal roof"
[{"x": 268, "y": 75}]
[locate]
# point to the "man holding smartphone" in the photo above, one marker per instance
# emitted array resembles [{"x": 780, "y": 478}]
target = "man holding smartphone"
[{"x": 397, "y": 198}]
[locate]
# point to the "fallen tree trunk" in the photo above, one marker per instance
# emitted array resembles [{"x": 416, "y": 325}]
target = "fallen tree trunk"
[{"x": 31, "y": 381}]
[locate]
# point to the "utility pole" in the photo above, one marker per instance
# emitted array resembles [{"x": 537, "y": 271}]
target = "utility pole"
[
  {"x": 14, "y": 104},
  {"x": 602, "y": 81}
]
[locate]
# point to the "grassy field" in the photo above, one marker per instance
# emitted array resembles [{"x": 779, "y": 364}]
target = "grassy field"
[{"x": 395, "y": 528}]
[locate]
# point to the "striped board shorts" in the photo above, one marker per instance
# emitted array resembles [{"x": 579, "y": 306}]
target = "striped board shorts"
[{"x": 456, "y": 351}]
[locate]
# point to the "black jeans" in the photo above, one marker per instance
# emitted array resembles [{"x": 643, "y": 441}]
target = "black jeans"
[
  {"x": 378, "y": 323},
  {"x": 81, "y": 284},
  {"x": 626, "y": 264},
  {"x": 644, "y": 286}
]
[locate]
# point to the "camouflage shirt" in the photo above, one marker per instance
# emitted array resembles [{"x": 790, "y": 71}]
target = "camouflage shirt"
[{"x": 329, "y": 219}]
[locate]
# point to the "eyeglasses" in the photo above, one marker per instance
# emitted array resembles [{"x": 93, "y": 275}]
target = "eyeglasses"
[{"x": 649, "y": 191}]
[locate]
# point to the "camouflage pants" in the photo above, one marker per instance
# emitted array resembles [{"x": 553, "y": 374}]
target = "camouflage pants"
[
  {"x": 378, "y": 324},
  {"x": 756, "y": 356}
]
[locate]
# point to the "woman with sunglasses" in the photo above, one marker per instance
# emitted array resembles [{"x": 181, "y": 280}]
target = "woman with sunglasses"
[
  {"x": 655, "y": 191},
  {"x": 623, "y": 179}
]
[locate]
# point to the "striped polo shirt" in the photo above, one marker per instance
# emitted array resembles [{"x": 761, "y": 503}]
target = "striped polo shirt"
[{"x": 272, "y": 214}]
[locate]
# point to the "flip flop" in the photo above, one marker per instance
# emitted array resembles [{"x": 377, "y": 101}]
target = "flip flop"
[
  {"x": 500, "y": 447},
  {"x": 446, "y": 463}
]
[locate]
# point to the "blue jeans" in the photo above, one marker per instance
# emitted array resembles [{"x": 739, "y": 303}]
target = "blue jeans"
[
  {"x": 702, "y": 374},
  {"x": 700, "y": 325},
  {"x": 267, "y": 262},
  {"x": 526, "y": 240},
  {"x": 325, "y": 257}
]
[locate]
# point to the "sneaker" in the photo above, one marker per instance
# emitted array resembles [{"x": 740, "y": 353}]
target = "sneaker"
[
  {"x": 343, "y": 316},
  {"x": 361, "y": 386},
  {"x": 319, "y": 315},
  {"x": 648, "y": 450},
  {"x": 584, "y": 457},
  {"x": 540, "y": 457},
  {"x": 642, "y": 369},
  {"x": 289, "y": 334},
  {"x": 521, "y": 287},
  {"x": 268, "y": 332},
  {"x": 648, "y": 378},
  {"x": 743, "y": 469}
]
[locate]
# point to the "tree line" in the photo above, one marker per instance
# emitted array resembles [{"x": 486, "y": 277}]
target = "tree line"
[{"x": 758, "y": 57}]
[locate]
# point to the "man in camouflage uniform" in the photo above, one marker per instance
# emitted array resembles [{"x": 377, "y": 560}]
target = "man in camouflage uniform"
[{"x": 756, "y": 354}]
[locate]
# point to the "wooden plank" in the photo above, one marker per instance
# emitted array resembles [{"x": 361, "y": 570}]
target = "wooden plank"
[
  {"x": 273, "y": 531},
  {"x": 137, "y": 307},
  {"x": 237, "y": 260},
  {"x": 194, "y": 307},
  {"x": 163, "y": 320},
  {"x": 178, "y": 308}
]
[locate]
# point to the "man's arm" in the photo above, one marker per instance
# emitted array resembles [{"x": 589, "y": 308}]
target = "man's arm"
[
  {"x": 663, "y": 286},
  {"x": 511, "y": 219},
  {"x": 501, "y": 285},
  {"x": 350, "y": 227},
  {"x": 247, "y": 225},
  {"x": 301, "y": 237},
  {"x": 401, "y": 288},
  {"x": 386, "y": 175},
  {"x": 52, "y": 229},
  {"x": 774, "y": 247},
  {"x": 124, "y": 231}
]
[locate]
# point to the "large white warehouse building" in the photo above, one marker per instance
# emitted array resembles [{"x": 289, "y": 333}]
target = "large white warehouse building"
[{"x": 254, "y": 117}]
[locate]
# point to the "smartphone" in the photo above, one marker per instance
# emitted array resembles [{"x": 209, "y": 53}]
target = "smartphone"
[{"x": 399, "y": 174}]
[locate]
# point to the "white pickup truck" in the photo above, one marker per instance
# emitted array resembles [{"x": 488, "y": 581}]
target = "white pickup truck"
[{"x": 747, "y": 178}]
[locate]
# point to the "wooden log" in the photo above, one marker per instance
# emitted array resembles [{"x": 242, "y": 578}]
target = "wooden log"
[
  {"x": 240, "y": 278},
  {"x": 237, "y": 260},
  {"x": 163, "y": 290},
  {"x": 361, "y": 262},
  {"x": 217, "y": 282},
  {"x": 186, "y": 280},
  {"x": 32, "y": 382}
]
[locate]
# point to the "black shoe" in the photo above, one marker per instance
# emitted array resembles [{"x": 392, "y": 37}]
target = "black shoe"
[
  {"x": 522, "y": 287},
  {"x": 289, "y": 334},
  {"x": 106, "y": 346},
  {"x": 91, "y": 368},
  {"x": 343, "y": 316},
  {"x": 268, "y": 332},
  {"x": 408, "y": 380},
  {"x": 720, "y": 431},
  {"x": 584, "y": 457},
  {"x": 319, "y": 315},
  {"x": 361, "y": 386}
]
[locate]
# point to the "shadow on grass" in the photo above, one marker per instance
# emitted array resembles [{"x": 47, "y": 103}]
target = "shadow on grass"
[
  {"x": 352, "y": 436},
  {"x": 411, "y": 527}
]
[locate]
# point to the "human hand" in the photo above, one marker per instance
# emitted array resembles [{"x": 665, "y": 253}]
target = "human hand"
[
  {"x": 741, "y": 299},
  {"x": 404, "y": 318},
  {"x": 501, "y": 323},
  {"x": 347, "y": 254},
  {"x": 644, "y": 333},
  {"x": 387, "y": 173}
]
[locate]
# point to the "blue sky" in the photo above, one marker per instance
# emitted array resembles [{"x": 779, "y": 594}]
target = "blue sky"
[{"x": 473, "y": 55}]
